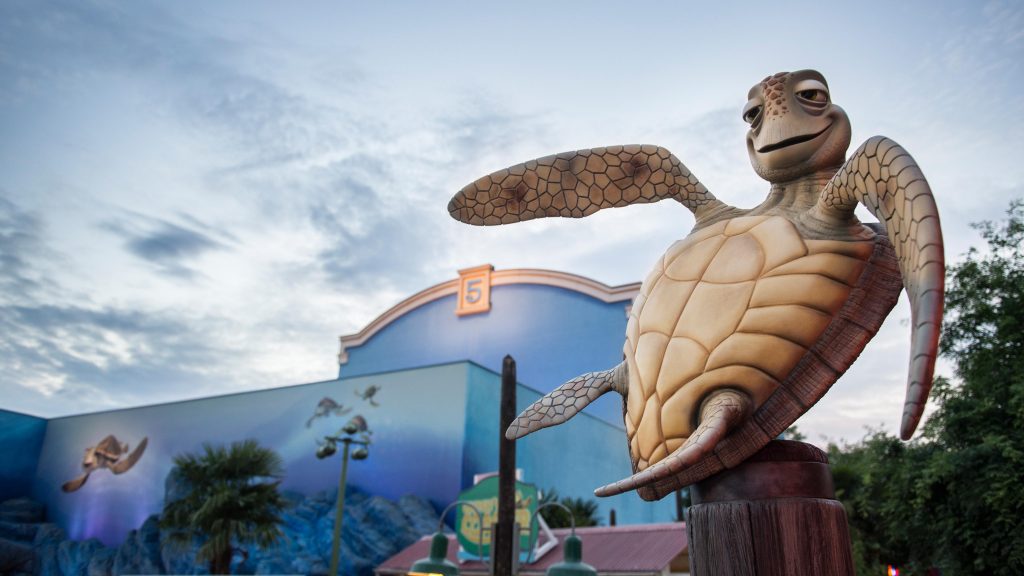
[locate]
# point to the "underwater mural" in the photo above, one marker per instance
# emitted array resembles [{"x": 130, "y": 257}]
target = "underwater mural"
[
  {"x": 368, "y": 395},
  {"x": 327, "y": 407},
  {"x": 107, "y": 453}
]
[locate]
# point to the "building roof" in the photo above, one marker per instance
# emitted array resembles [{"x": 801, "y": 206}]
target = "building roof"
[
  {"x": 622, "y": 550},
  {"x": 581, "y": 284}
]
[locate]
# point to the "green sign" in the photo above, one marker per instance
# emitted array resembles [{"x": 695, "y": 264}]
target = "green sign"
[{"x": 484, "y": 496}]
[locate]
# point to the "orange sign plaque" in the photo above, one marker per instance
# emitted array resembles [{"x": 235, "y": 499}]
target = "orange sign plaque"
[{"x": 474, "y": 290}]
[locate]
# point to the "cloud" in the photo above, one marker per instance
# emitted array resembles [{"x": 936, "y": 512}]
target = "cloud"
[
  {"x": 166, "y": 245},
  {"x": 69, "y": 354},
  {"x": 19, "y": 244}
]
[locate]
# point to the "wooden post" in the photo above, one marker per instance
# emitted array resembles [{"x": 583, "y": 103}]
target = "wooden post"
[
  {"x": 504, "y": 533},
  {"x": 773, "y": 515}
]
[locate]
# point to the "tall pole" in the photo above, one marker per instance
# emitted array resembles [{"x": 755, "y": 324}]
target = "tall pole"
[
  {"x": 505, "y": 533},
  {"x": 339, "y": 510}
]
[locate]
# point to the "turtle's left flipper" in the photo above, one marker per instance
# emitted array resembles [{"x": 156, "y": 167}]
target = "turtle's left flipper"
[
  {"x": 578, "y": 183},
  {"x": 72, "y": 485},
  {"x": 883, "y": 176},
  {"x": 721, "y": 412},
  {"x": 129, "y": 461},
  {"x": 567, "y": 400}
]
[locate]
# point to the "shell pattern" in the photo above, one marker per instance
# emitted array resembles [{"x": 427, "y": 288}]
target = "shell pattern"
[{"x": 736, "y": 304}]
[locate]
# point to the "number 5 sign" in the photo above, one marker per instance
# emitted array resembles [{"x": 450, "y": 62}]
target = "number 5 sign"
[{"x": 474, "y": 290}]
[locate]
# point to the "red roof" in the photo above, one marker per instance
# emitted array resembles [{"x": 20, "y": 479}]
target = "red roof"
[{"x": 629, "y": 549}]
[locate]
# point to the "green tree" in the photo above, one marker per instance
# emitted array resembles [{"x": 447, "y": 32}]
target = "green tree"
[
  {"x": 230, "y": 503},
  {"x": 951, "y": 499},
  {"x": 584, "y": 511},
  {"x": 792, "y": 433}
]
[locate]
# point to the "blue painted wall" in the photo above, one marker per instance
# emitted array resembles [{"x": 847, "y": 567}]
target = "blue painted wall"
[
  {"x": 434, "y": 429},
  {"x": 21, "y": 436},
  {"x": 420, "y": 419},
  {"x": 553, "y": 333}
]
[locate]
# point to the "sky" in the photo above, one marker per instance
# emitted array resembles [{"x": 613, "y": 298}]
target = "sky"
[{"x": 199, "y": 198}]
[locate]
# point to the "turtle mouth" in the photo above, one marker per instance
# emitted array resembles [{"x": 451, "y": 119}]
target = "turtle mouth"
[{"x": 791, "y": 141}]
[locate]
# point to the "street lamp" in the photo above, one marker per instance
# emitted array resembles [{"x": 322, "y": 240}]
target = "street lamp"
[
  {"x": 438, "y": 562},
  {"x": 357, "y": 425},
  {"x": 572, "y": 563}
]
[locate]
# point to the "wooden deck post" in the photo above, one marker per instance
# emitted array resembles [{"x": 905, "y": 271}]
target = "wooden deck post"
[{"x": 773, "y": 515}]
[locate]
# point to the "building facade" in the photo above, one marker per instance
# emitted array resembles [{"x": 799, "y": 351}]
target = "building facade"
[{"x": 425, "y": 375}]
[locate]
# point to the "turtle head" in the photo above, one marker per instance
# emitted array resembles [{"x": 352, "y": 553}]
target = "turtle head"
[
  {"x": 795, "y": 129},
  {"x": 89, "y": 460}
]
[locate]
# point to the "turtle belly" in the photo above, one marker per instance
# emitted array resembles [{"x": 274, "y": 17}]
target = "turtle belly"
[{"x": 736, "y": 305}]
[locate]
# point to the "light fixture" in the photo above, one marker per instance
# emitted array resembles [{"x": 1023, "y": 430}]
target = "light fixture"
[
  {"x": 572, "y": 561},
  {"x": 328, "y": 448},
  {"x": 438, "y": 562}
]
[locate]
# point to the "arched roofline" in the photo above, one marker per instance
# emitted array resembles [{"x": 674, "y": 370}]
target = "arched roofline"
[{"x": 574, "y": 282}]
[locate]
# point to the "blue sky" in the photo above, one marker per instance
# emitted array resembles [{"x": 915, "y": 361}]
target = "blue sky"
[{"x": 198, "y": 198}]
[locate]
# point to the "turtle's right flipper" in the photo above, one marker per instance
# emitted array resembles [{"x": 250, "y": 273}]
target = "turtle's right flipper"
[
  {"x": 126, "y": 464},
  {"x": 72, "y": 485},
  {"x": 564, "y": 402},
  {"x": 579, "y": 183}
]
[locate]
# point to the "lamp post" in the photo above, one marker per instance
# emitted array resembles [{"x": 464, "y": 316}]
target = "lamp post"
[
  {"x": 572, "y": 563},
  {"x": 438, "y": 562},
  {"x": 357, "y": 425}
]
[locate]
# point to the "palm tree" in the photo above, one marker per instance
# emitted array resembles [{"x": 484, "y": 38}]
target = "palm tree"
[
  {"x": 584, "y": 511},
  {"x": 230, "y": 504}
]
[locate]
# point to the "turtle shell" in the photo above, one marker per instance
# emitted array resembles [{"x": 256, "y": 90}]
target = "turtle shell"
[
  {"x": 110, "y": 448},
  {"x": 747, "y": 303}
]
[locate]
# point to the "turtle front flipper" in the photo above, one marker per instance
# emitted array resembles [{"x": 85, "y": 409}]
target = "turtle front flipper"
[
  {"x": 720, "y": 413},
  {"x": 883, "y": 176},
  {"x": 129, "y": 461},
  {"x": 72, "y": 485},
  {"x": 567, "y": 400},
  {"x": 577, "y": 184}
]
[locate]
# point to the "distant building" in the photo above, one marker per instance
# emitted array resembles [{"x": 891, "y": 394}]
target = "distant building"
[
  {"x": 649, "y": 550},
  {"x": 426, "y": 377}
]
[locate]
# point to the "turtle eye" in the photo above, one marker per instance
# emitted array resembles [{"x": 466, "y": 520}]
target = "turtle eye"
[
  {"x": 815, "y": 96},
  {"x": 811, "y": 93},
  {"x": 750, "y": 115}
]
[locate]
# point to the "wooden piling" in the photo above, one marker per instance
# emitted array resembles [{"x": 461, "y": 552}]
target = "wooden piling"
[{"x": 773, "y": 515}]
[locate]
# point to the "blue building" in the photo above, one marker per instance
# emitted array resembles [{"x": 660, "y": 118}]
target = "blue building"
[{"x": 426, "y": 377}]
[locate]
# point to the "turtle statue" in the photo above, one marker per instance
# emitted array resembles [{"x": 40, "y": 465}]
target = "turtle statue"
[
  {"x": 326, "y": 407},
  {"x": 368, "y": 394},
  {"x": 747, "y": 321},
  {"x": 108, "y": 453}
]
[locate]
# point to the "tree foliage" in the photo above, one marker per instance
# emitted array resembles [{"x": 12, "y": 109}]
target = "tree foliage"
[
  {"x": 952, "y": 498},
  {"x": 584, "y": 511},
  {"x": 230, "y": 502}
]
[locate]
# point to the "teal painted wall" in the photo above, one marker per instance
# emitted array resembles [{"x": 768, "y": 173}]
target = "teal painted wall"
[
  {"x": 22, "y": 437},
  {"x": 574, "y": 458}
]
